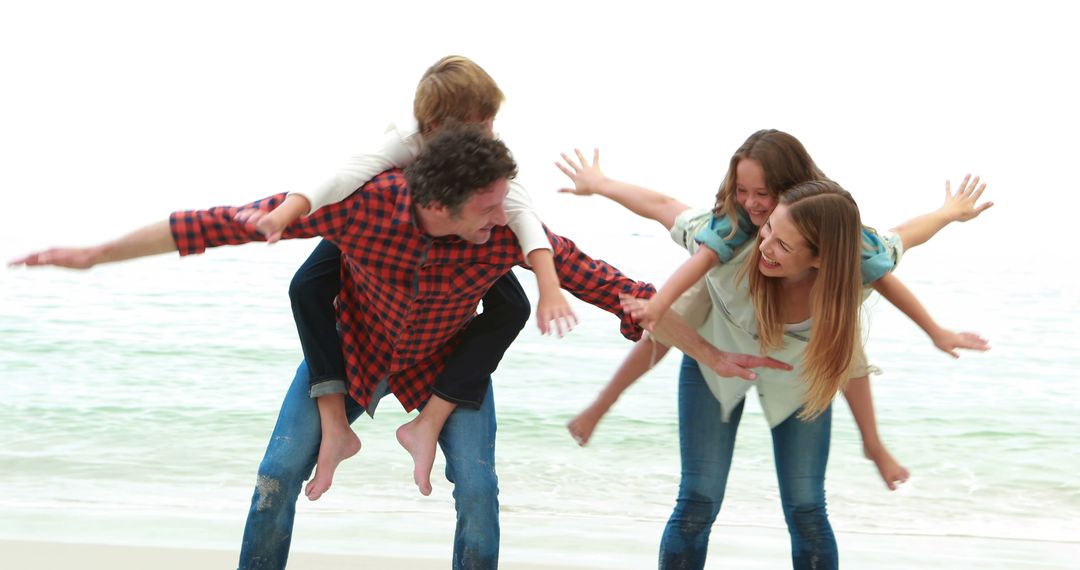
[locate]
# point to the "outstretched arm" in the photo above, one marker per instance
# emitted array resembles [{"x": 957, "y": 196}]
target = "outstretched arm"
[
  {"x": 948, "y": 341},
  {"x": 597, "y": 283},
  {"x": 589, "y": 179},
  {"x": 149, "y": 240},
  {"x": 395, "y": 149},
  {"x": 959, "y": 207},
  {"x": 641, "y": 359},
  {"x": 672, "y": 328},
  {"x": 190, "y": 232}
]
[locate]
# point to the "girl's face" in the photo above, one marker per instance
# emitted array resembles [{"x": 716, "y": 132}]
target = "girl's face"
[
  {"x": 751, "y": 192},
  {"x": 784, "y": 251}
]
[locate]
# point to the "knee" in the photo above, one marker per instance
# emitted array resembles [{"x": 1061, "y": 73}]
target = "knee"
[
  {"x": 303, "y": 287},
  {"x": 808, "y": 520},
  {"x": 279, "y": 480},
  {"x": 476, "y": 490},
  {"x": 696, "y": 511},
  {"x": 269, "y": 493},
  {"x": 516, "y": 311}
]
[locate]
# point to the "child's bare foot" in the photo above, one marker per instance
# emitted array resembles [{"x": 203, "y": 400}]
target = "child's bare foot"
[
  {"x": 420, "y": 443},
  {"x": 582, "y": 426},
  {"x": 336, "y": 446},
  {"x": 891, "y": 472}
]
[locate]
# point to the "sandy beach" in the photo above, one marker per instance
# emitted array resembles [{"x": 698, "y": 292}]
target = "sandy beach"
[
  {"x": 45, "y": 555},
  {"x": 744, "y": 547}
]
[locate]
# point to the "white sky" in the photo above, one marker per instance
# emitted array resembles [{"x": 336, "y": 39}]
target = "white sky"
[{"x": 114, "y": 113}]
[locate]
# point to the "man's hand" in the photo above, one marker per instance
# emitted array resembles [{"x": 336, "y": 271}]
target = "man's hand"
[
  {"x": 261, "y": 221},
  {"x": 69, "y": 257},
  {"x": 271, "y": 224}
]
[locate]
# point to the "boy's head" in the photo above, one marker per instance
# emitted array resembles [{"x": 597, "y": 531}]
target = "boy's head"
[{"x": 455, "y": 90}]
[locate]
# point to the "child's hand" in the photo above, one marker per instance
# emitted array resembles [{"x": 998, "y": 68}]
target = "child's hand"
[
  {"x": 582, "y": 426},
  {"x": 554, "y": 315},
  {"x": 961, "y": 206},
  {"x": 586, "y": 177},
  {"x": 643, "y": 311},
  {"x": 892, "y": 473},
  {"x": 266, "y": 223},
  {"x": 948, "y": 341}
]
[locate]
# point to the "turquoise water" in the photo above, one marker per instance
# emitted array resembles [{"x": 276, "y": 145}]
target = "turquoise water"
[{"x": 136, "y": 400}]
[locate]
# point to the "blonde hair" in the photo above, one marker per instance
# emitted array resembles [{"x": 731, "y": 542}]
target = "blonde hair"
[
  {"x": 455, "y": 89},
  {"x": 784, "y": 160},
  {"x": 828, "y": 219}
]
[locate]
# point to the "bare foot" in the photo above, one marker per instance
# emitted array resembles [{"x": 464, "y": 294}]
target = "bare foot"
[
  {"x": 336, "y": 446},
  {"x": 421, "y": 446},
  {"x": 891, "y": 472},
  {"x": 582, "y": 426}
]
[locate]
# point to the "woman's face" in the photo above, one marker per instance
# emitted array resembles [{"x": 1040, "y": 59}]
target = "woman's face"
[
  {"x": 751, "y": 192},
  {"x": 784, "y": 251}
]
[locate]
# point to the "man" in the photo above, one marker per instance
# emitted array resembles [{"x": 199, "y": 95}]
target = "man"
[{"x": 419, "y": 251}]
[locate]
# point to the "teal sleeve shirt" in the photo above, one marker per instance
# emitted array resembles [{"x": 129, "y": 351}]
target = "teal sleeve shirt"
[
  {"x": 876, "y": 258},
  {"x": 716, "y": 235}
]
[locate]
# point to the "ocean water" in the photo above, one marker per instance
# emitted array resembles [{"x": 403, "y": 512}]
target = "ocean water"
[{"x": 136, "y": 400}]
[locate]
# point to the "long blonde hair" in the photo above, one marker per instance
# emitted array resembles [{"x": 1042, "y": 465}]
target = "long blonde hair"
[{"x": 828, "y": 219}]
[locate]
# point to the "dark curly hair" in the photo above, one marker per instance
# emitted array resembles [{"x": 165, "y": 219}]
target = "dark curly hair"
[{"x": 457, "y": 162}]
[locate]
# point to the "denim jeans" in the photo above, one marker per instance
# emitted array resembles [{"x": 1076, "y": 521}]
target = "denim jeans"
[
  {"x": 312, "y": 293},
  {"x": 467, "y": 441},
  {"x": 706, "y": 443}
]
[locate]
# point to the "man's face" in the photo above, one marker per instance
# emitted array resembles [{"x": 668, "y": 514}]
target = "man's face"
[{"x": 481, "y": 213}]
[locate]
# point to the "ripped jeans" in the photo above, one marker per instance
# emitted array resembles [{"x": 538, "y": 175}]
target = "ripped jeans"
[
  {"x": 706, "y": 443},
  {"x": 467, "y": 441}
]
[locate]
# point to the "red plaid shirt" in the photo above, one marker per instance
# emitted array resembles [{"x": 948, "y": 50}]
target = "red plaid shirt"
[{"x": 405, "y": 295}]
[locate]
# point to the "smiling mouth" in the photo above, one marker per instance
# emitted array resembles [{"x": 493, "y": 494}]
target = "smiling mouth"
[{"x": 768, "y": 261}]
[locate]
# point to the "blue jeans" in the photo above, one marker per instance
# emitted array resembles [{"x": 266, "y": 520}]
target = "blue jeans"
[
  {"x": 706, "y": 443},
  {"x": 467, "y": 441}
]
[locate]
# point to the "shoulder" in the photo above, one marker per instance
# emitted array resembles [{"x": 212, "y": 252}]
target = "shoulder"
[
  {"x": 385, "y": 187},
  {"x": 393, "y": 178},
  {"x": 407, "y": 134},
  {"x": 687, "y": 225}
]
